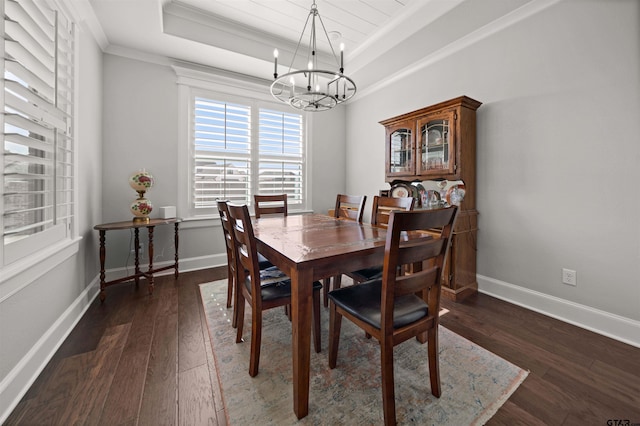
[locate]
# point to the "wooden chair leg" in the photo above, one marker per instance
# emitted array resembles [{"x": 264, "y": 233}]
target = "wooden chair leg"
[
  {"x": 237, "y": 301},
  {"x": 326, "y": 283},
  {"x": 239, "y": 316},
  {"x": 335, "y": 321},
  {"x": 230, "y": 285},
  {"x": 256, "y": 339},
  {"x": 317, "y": 337},
  {"x": 337, "y": 281},
  {"x": 434, "y": 364},
  {"x": 388, "y": 390}
]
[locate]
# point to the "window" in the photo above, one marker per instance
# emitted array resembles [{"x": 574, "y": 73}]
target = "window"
[
  {"x": 38, "y": 159},
  {"x": 280, "y": 159},
  {"x": 241, "y": 147}
]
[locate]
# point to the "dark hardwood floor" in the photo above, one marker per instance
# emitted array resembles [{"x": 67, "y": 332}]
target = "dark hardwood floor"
[{"x": 146, "y": 360}]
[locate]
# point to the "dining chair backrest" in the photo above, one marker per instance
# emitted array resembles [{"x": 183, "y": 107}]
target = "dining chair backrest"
[
  {"x": 223, "y": 210},
  {"x": 350, "y": 207},
  {"x": 245, "y": 246},
  {"x": 383, "y": 206},
  {"x": 416, "y": 253},
  {"x": 270, "y": 204}
]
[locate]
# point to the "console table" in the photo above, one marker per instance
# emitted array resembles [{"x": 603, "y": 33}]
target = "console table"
[{"x": 130, "y": 224}]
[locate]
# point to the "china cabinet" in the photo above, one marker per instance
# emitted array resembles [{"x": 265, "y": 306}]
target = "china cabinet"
[
  {"x": 433, "y": 142},
  {"x": 439, "y": 143},
  {"x": 400, "y": 150}
]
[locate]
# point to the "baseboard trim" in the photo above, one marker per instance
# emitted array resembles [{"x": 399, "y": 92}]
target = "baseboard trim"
[
  {"x": 614, "y": 326},
  {"x": 184, "y": 265},
  {"x": 16, "y": 384}
]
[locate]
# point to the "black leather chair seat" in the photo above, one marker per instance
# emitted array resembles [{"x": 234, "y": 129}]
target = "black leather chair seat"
[
  {"x": 367, "y": 274},
  {"x": 363, "y": 302},
  {"x": 275, "y": 284},
  {"x": 263, "y": 263}
]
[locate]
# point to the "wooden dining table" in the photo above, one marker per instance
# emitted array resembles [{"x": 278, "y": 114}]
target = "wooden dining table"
[{"x": 309, "y": 248}]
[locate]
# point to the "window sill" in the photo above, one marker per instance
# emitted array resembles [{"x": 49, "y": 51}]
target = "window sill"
[{"x": 23, "y": 272}]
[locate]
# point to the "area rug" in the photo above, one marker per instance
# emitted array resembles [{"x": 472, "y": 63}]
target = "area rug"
[{"x": 474, "y": 381}]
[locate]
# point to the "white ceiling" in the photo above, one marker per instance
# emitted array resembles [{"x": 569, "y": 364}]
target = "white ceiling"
[
  {"x": 240, "y": 35},
  {"x": 354, "y": 20}
]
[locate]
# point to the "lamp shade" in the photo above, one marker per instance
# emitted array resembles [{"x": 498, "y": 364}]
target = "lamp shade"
[
  {"x": 141, "y": 208},
  {"x": 141, "y": 181}
]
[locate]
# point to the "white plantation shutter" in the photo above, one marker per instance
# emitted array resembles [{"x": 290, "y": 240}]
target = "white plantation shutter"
[
  {"x": 237, "y": 152},
  {"x": 222, "y": 153},
  {"x": 281, "y": 155},
  {"x": 37, "y": 167}
]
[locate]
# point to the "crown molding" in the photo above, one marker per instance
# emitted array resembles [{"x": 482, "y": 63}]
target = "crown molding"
[
  {"x": 512, "y": 18},
  {"x": 413, "y": 18},
  {"x": 139, "y": 55},
  {"x": 188, "y": 22},
  {"x": 210, "y": 78},
  {"x": 83, "y": 14}
]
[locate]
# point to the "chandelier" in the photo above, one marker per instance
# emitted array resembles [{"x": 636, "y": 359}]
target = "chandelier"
[{"x": 313, "y": 89}]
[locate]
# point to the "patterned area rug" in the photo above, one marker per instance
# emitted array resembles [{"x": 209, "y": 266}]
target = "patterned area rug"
[{"x": 475, "y": 382}]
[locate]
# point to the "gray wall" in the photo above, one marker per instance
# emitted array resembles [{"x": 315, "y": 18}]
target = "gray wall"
[
  {"x": 141, "y": 123},
  {"x": 140, "y": 131},
  {"x": 558, "y": 156}
]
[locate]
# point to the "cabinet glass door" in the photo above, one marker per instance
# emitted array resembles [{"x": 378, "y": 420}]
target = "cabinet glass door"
[
  {"x": 436, "y": 145},
  {"x": 400, "y": 152}
]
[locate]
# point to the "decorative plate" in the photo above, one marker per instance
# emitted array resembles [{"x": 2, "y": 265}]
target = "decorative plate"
[
  {"x": 421, "y": 192},
  {"x": 434, "y": 138},
  {"x": 401, "y": 190},
  {"x": 455, "y": 194}
]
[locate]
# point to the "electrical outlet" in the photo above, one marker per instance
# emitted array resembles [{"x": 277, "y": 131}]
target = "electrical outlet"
[{"x": 569, "y": 277}]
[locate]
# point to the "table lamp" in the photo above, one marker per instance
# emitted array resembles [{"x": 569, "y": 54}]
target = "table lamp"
[{"x": 141, "y": 182}]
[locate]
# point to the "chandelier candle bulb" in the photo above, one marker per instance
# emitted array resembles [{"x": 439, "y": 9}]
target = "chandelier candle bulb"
[{"x": 275, "y": 63}]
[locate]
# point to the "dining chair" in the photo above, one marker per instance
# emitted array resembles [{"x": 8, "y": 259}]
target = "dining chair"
[
  {"x": 349, "y": 207},
  {"x": 397, "y": 307},
  {"x": 380, "y": 213},
  {"x": 270, "y": 204},
  {"x": 263, "y": 263},
  {"x": 262, "y": 289}
]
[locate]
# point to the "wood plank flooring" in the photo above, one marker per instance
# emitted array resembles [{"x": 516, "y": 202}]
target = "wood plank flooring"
[{"x": 140, "y": 360}]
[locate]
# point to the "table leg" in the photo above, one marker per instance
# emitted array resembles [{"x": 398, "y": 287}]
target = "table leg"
[
  {"x": 301, "y": 302},
  {"x": 136, "y": 242},
  {"x": 175, "y": 240},
  {"x": 150, "y": 273},
  {"x": 103, "y": 293}
]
